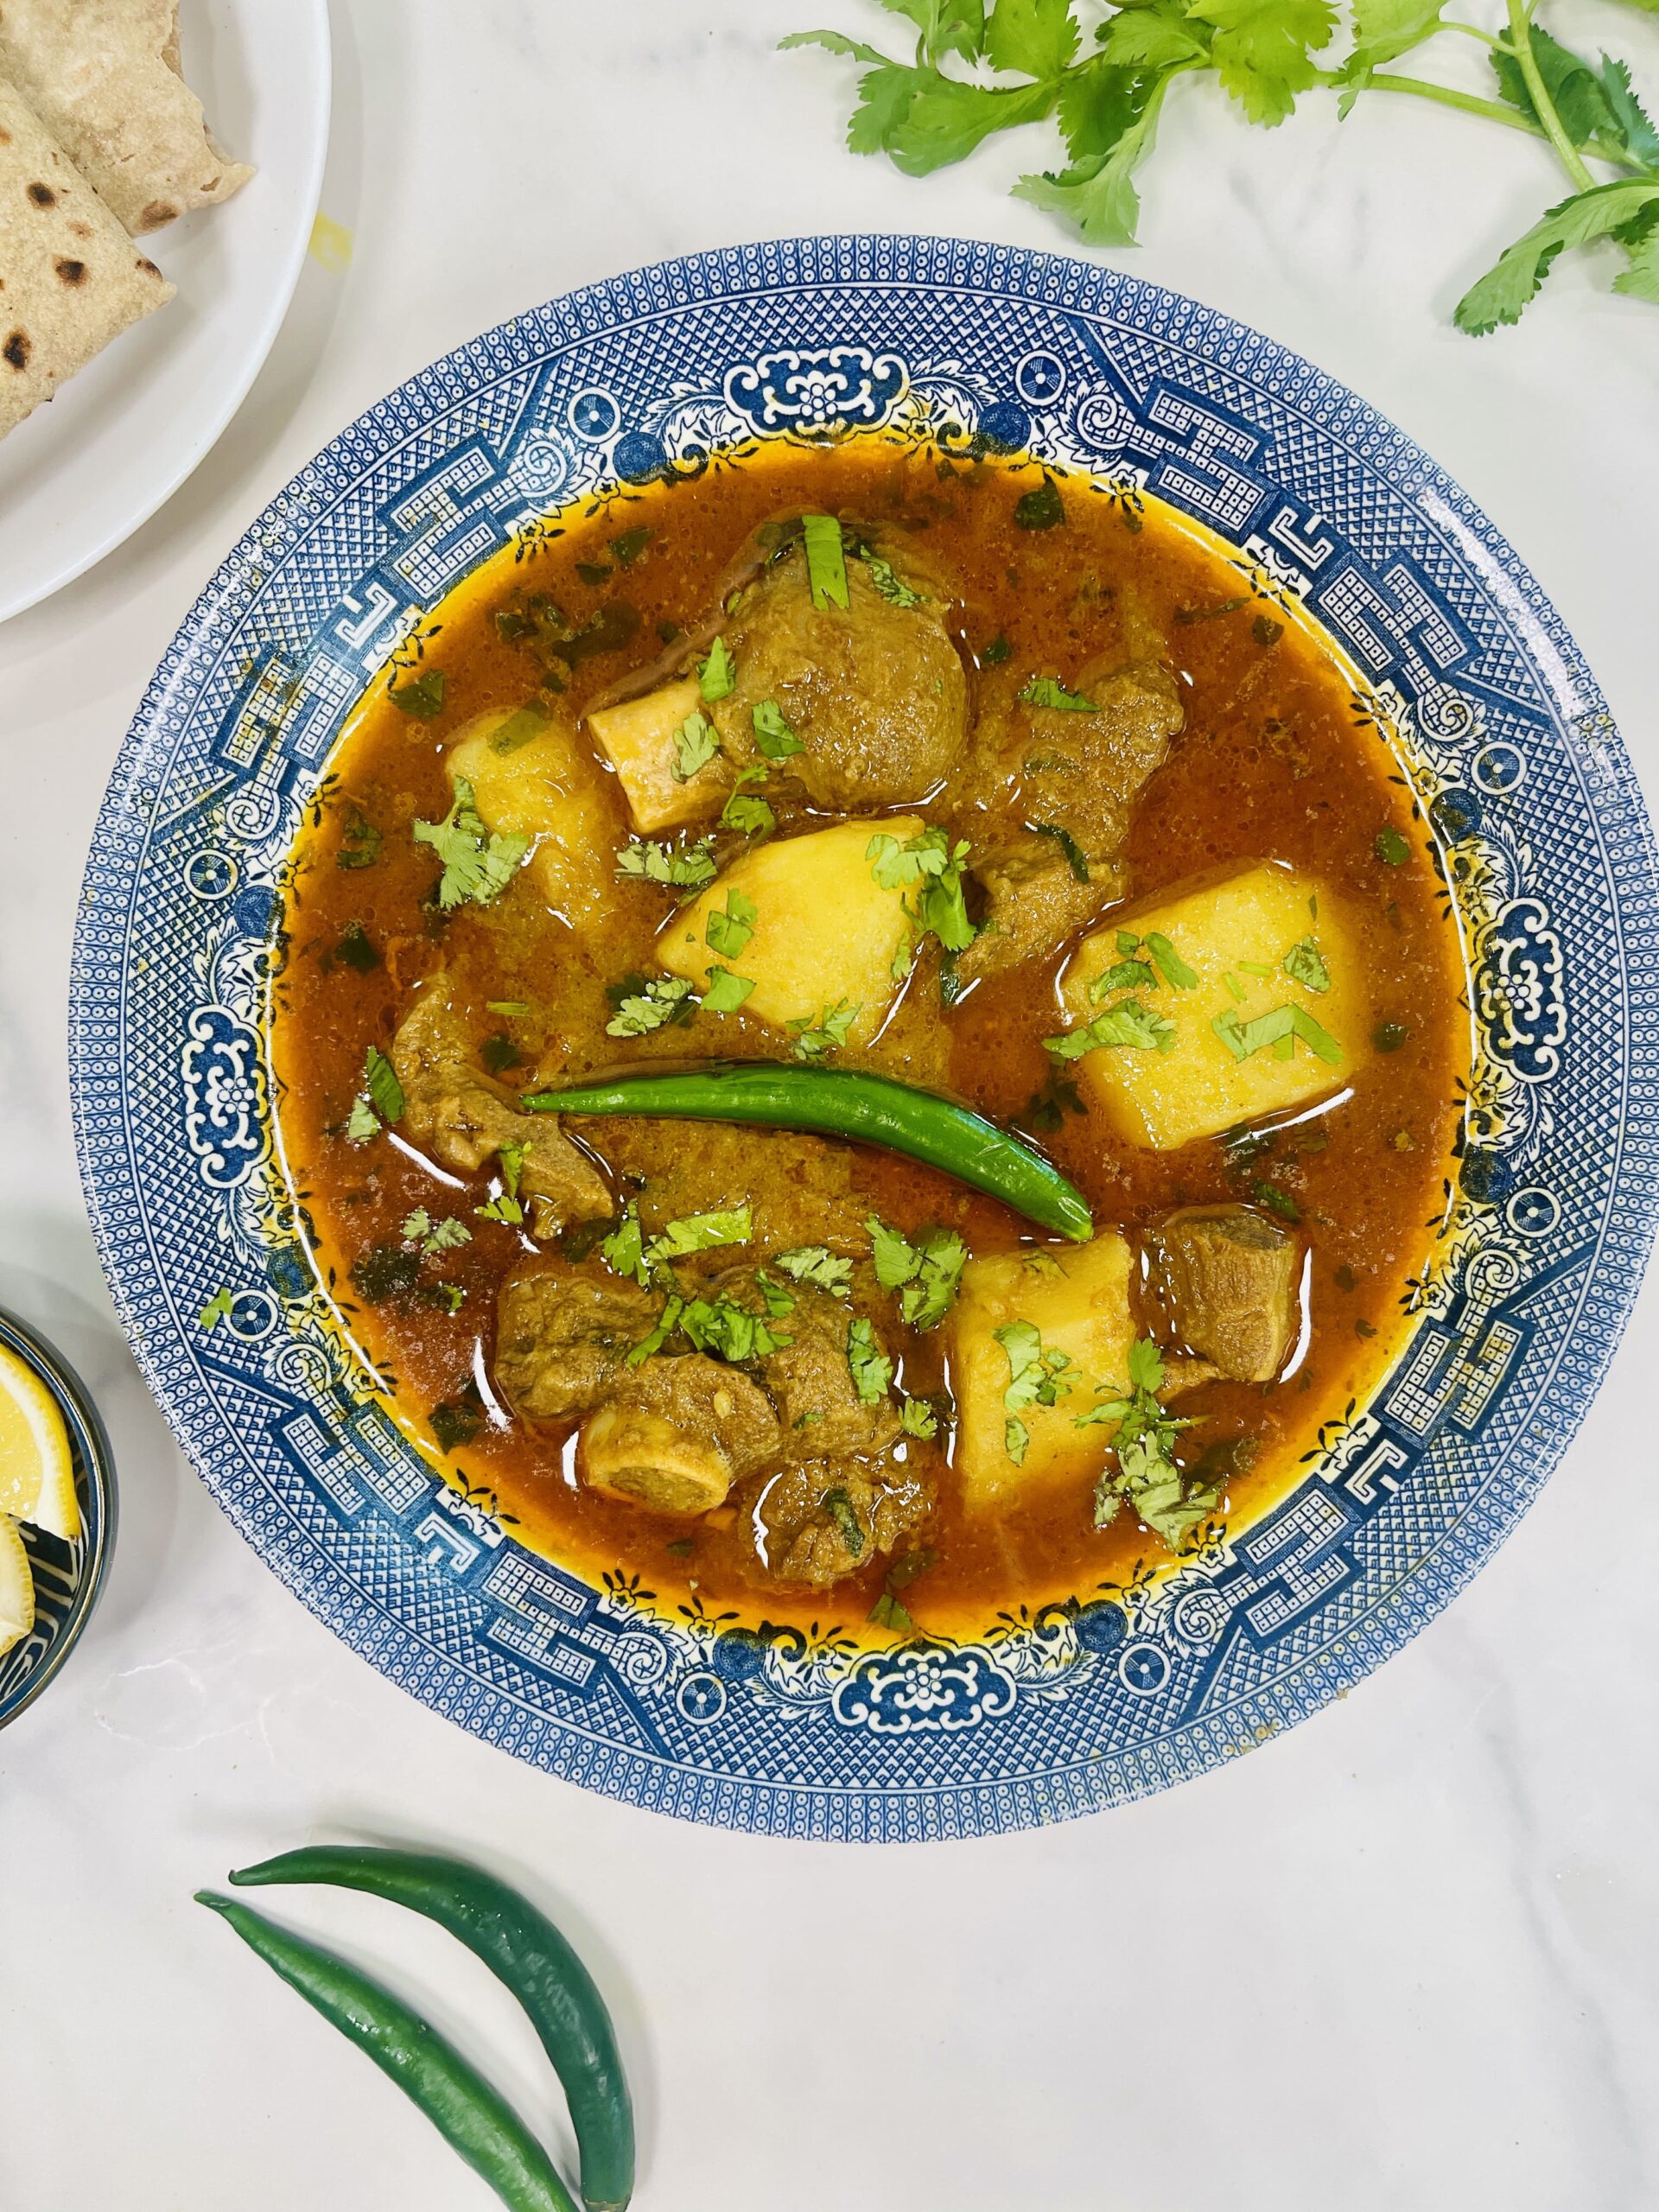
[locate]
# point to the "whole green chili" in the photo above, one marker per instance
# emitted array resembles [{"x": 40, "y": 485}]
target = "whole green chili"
[
  {"x": 471, "y": 2116},
  {"x": 845, "y": 1102},
  {"x": 524, "y": 1950}
]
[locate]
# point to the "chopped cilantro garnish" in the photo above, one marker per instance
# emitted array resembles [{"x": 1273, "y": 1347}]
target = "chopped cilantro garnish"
[
  {"x": 816, "y": 1265},
  {"x": 520, "y": 727},
  {"x": 933, "y": 865},
  {"x": 1039, "y": 509},
  {"x": 477, "y": 864},
  {"x": 1126, "y": 1025},
  {"x": 690, "y": 868},
  {"x": 1039, "y": 1375},
  {"x": 889, "y": 1613},
  {"x": 721, "y": 1325},
  {"x": 1049, "y": 691},
  {"x": 498, "y": 1054},
  {"x": 422, "y": 696},
  {"x": 363, "y": 1123},
  {"x": 419, "y": 1228},
  {"x": 717, "y": 677},
  {"x": 888, "y": 581},
  {"x": 826, "y": 562},
  {"x": 724, "y": 992},
  {"x": 730, "y": 929},
  {"x": 624, "y": 1250},
  {"x": 777, "y": 1297},
  {"x": 832, "y": 1028},
  {"x": 505, "y": 1207},
  {"x": 1276, "y": 1201},
  {"x": 750, "y": 817},
  {"x": 356, "y": 949},
  {"x": 996, "y": 651},
  {"x": 631, "y": 544},
  {"x": 359, "y": 841},
  {"x": 1280, "y": 1027},
  {"x": 696, "y": 743},
  {"x": 918, "y": 1418},
  {"x": 701, "y": 1232},
  {"x": 1015, "y": 1439},
  {"x": 1075, "y": 859},
  {"x": 1304, "y": 964},
  {"x": 839, "y": 1506},
  {"x": 380, "y": 1080},
  {"x": 667, "y": 1321},
  {"x": 659, "y": 1001},
  {"x": 772, "y": 734},
  {"x": 1127, "y": 942},
  {"x": 927, "y": 1274},
  {"x": 872, "y": 1370},
  {"x": 1392, "y": 847},
  {"x": 1170, "y": 964},
  {"x": 507, "y": 1006},
  {"x": 449, "y": 1295},
  {"x": 1170, "y": 1502},
  {"x": 1123, "y": 975},
  {"x": 217, "y": 1309},
  {"x": 1390, "y": 1036}
]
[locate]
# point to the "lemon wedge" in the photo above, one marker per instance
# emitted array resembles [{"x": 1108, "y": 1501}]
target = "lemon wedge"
[
  {"x": 16, "y": 1587},
  {"x": 37, "y": 1476}
]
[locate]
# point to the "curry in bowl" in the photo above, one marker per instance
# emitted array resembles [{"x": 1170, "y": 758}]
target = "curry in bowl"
[{"x": 874, "y": 1028}]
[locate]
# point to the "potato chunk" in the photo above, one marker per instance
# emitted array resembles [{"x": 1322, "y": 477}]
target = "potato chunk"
[
  {"x": 824, "y": 934},
  {"x": 638, "y": 738},
  {"x": 529, "y": 775},
  {"x": 1260, "y": 940},
  {"x": 1079, "y": 1303}
]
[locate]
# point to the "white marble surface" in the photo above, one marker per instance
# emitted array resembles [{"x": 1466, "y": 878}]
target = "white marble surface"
[{"x": 1408, "y": 1960}]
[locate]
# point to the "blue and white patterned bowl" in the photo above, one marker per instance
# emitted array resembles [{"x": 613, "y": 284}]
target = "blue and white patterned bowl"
[
  {"x": 1496, "y": 720},
  {"x": 69, "y": 1578}
]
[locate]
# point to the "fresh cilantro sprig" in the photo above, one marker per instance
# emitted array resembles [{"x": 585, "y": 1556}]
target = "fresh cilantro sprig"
[
  {"x": 1170, "y": 1501},
  {"x": 478, "y": 864},
  {"x": 926, "y": 1273},
  {"x": 1106, "y": 98}
]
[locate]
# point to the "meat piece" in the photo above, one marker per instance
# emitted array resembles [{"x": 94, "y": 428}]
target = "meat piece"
[
  {"x": 562, "y": 1333},
  {"x": 1080, "y": 775},
  {"x": 825, "y": 1520},
  {"x": 1226, "y": 1275},
  {"x": 1034, "y": 902},
  {"x": 676, "y": 1434},
  {"x": 800, "y": 1187},
  {"x": 876, "y": 692},
  {"x": 817, "y": 1401},
  {"x": 464, "y": 1119}
]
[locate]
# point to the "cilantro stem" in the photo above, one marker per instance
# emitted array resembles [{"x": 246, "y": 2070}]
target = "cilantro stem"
[
  {"x": 1532, "y": 76},
  {"x": 1470, "y": 103},
  {"x": 1473, "y": 31}
]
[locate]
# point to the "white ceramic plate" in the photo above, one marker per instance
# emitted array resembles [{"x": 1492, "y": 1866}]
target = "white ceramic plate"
[{"x": 84, "y": 471}]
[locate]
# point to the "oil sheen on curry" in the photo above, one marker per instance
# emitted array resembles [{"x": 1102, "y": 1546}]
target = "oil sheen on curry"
[{"x": 870, "y": 759}]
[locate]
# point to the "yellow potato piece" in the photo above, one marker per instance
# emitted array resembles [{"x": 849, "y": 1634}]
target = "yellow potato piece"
[
  {"x": 1078, "y": 1302},
  {"x": 37, "y": 1476},
  {"x": 636, "y": 738},
  {"x": 824, "y": 931},
  {"x": 1223, "y": 927},
  {"x": 16, "y": 1587},
  {"x": 530, "y": 776}
]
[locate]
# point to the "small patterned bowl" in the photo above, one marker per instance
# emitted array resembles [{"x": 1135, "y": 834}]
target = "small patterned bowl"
[{"x": 67, "y": 1576}]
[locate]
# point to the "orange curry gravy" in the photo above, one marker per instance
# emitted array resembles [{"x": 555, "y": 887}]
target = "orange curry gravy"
[{"x": 1277, "y": 761}]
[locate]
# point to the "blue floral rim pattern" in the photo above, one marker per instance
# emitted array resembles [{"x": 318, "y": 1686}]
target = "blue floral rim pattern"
[{"x": 1510, "y": 750}]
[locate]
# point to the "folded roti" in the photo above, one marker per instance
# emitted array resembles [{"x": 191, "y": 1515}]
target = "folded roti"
[
  {"x": 103, "y": 75},
  {"x": 71, "y": 279}
]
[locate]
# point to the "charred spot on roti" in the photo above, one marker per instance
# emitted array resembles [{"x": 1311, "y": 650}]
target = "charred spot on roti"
[
  {"x": 42, "y": 195},
  {"x": 16, "y": 350},
  {"x": 149, "y": 267},
  {"x": 72, "y": 272},
  {"x": 155, "y": 212}
]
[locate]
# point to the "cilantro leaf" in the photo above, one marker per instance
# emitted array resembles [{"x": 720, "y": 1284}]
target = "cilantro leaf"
[
  {"x": 1039, "y": 1375},
  {"x": 927, "y": 1273},
  {"x": 1641, "y": 280},
  {"x": 624, "y": 1250},
  {"x": 1153, "y": 37},
  {"x": 889, "y": 1612},
  {"x": 816, "y": 1265},
  {"x": 1283, "y": 1026},
  {"x": 1016, "y": 1438},
  {"x": 1170, "y": 964},
  {"x": 731, "y": 1331},
  {"x": 932, "y": 864},
  {"x": 380, "y": 1080},
  {"x": 359, "y": 841},
  {"x": 944, "y": 26},
  {"x": 729, "y": 930},
  {"x": 639, "y": 1013},
  {"x": 724, "y": 992},
  {"x": 826, "y": 562},
  {"x": 888, "y": 581},
  {"x": 832, "y": 1028},
  {"x": 667, "y": 1321},
  {"x": 477, "y": 865},
  {"x": 1127, "y": 1025},
  {"x": 1503, "y": 294},
  {"x": 1304, "y": 964},
  {"x": 942, "y": 119},
  {"x": 872, "y": 1370},
  {"x": 432, "y": 1237},
  {"x": 696, "y": 743},
  {"x": 1075, "y": 859},
  {"x": 1631, "y": 122},
  {"x": 362, "y": 1122},
  {"x": 422, "y": 697},
  {"x": 1123, "y": 975},
  {"x": 717, "y": 677},
  {"x": 689, "y": 867},
  {"x": 748, "y": 816},
  {"x": 1262, "y": 50},
  {"x": 1031, "y": 38},
  {"x": 506, "y": 1205},
  {"x": 918, "y": 1418},
  {"x": 772, "y": 734},
  {"x": 1578, "y": 94},
  {"x": 701, "y": 1232},
  {"x": 1384, "y": 29},
  {"x": 217, "y": 1309},
  {"x": 1047, "y": 691}
]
